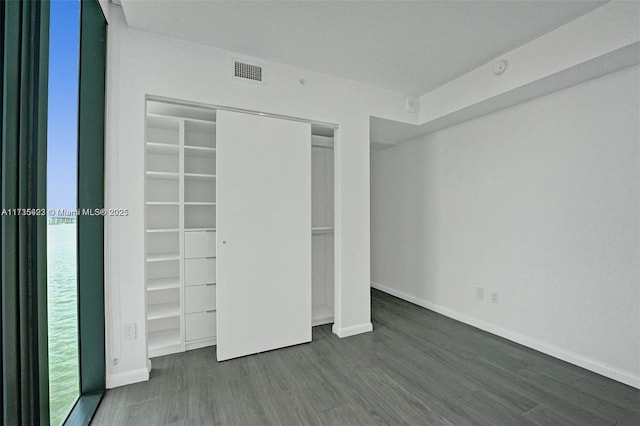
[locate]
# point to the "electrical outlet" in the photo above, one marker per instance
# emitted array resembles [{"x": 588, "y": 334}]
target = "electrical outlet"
[
  {"x": 495, "y": 297},
  {"x": 479, "y": 293},
  {"x": 129, "y": 331}
]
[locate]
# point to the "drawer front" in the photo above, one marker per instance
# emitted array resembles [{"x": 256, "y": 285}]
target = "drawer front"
[
  {"x": 199, "y": 244},
  {"x": 199, "y": 271},
  {"x": 200, "y": 326},
  {"x": 200, "y": 298}
]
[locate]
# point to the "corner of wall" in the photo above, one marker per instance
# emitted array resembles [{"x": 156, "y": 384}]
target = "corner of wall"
[
  {"x": 127, "y": 377},
  {"x": 352, "y": 330}
]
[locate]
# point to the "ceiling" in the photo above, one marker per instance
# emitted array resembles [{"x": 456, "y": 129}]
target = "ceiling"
[{"x": 410, "y": 47}]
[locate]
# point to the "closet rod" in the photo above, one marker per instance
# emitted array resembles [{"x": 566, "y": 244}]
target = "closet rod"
[{"x": 155, "y": 98}]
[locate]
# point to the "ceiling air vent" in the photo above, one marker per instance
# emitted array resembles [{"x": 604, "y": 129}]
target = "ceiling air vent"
[{"x": 247, "y": 71}]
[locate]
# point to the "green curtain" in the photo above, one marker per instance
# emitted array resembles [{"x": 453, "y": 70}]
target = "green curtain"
[{"x": 24, "y": 51}]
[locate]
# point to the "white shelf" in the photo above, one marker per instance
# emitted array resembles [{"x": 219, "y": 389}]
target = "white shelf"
[
  {"x": 163, "y": 283},
  {"x": 322, "y": 147},
  {"x": 163, "y": 310},
  {"x": 162, "y": 148},
  {"x": 161, "y": 121},
  {"x": 172, "y": 117},
  {"x": 322, "y": 230},
  {"x": 197, "y": 344},
  {"x": 187, "y": 229},
  {"x": 200, "y": 149},
  {"x": 200, "y": 120},
  {"x": 162, "y": 203},
  {"x": 199, "y": 203},
  {"x": 165, "y": 350},
  {"x": 163, "y": 230},
  {"x": 162, "y": 131},
  {"x": 322, "y": 142},
  {"x": 163, "y": 175},
  {"x": 203, "y": 176},
  {"x": 159, "y": 257}
]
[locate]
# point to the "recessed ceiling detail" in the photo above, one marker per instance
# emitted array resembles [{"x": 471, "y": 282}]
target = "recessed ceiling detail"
[{"x": 409, "y": 47}]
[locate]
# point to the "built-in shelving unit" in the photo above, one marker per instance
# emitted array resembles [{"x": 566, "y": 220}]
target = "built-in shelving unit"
[
  {"x": 180, "y": 227},
  {"x": 322, "y": 212},
  {"x": 200, "y": 224},
  {"x": 180, "y": 207}
]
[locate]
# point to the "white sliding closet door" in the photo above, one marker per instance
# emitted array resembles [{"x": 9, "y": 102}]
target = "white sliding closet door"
[{"x": 264, "y": 233}]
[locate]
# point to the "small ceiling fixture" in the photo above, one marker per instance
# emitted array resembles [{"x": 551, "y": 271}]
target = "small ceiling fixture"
[{"x": 500, "y": 67}]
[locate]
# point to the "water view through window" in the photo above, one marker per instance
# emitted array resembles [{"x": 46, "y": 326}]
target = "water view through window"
[{"x": 62, "y": 148}]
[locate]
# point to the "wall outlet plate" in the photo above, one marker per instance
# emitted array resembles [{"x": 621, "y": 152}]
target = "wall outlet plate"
[
  {"x": 129, "y": 331},
  {"x": 495, "y": 297},
  {"x": 479, "y": 293}
]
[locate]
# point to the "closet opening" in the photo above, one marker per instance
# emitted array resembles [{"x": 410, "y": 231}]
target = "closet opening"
[
  {"x": 322, "y": 222},
  {"x": 200, "y": 195}
]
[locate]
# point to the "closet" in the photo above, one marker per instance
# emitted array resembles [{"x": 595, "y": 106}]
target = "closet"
[
  {"x": 322, "y": 214},
  {"x": 180, "y": 220},
  {"x": 238, "y": 230}
]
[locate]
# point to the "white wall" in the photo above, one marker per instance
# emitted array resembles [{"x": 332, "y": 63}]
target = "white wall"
[
  {"x": 540, "y": 202},
  {"x": 142, "y": 64}
]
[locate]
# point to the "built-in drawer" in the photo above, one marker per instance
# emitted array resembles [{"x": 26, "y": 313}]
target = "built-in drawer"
[
  {"x": 199, "y": 271},
  {"x": 200, "y": 298},
  {"x": 201, "y": 325},
  {"x": 199, "y": 244}
]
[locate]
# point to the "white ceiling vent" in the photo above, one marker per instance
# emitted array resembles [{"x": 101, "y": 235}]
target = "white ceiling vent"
[{"x": 247, "y": 72}]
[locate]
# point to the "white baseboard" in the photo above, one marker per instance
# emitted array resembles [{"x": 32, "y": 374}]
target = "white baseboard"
[
  {"x": 127, "y": 378},
  {"x": 353, "y": 330},
  {"x": 622, "y": 376}
]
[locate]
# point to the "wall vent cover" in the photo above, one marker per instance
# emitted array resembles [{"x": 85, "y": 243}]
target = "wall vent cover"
[{"x": 247, "y": 71}]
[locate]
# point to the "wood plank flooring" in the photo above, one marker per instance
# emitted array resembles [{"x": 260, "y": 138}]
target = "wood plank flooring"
[{"x": 416, "y": 368}]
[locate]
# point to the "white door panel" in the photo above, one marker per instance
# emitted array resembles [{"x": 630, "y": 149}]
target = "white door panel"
[{"x": 264, "y": 238}]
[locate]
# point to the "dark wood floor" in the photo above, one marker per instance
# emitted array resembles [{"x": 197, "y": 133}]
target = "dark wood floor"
[{"x": 416, "y": 368}]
